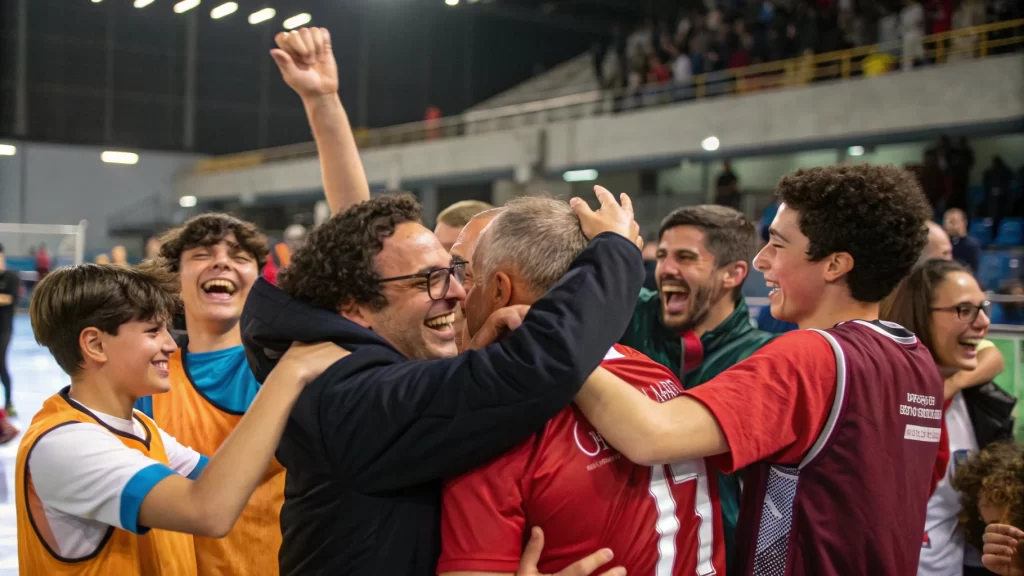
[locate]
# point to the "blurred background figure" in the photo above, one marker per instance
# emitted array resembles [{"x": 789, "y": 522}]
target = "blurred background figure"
[
  {"x": 119, "y": 255},
  {"x": 454, "y": 218}
]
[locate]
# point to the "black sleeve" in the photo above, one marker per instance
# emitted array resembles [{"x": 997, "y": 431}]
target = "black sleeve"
[
  {"x": 409, "y": 423},
  {"x": 13, "y": 284}
]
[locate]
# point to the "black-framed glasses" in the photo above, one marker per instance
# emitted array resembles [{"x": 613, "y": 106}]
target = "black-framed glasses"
[
  {"x": 438, "y": 280},
  {"x": 967, "y": 312}
]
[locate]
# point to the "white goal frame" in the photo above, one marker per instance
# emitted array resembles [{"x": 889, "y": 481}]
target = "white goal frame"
[{"x": 76, "y": 230}]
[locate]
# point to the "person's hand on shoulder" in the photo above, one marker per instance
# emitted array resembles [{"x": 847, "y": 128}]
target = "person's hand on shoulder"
[{"x": 306, "y": 362}]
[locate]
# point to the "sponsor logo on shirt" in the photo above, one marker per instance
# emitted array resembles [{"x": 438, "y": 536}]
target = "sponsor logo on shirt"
[
  {"x": 921, "y": 433},
  {"x": 663, "y": 391},
  {"x": 591, "y": 443}
]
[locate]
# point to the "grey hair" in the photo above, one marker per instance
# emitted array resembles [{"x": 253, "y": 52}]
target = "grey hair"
[{"x": 536, "y": 237}]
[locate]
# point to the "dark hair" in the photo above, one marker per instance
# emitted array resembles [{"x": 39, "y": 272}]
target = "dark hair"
[
  {"x": 876, "y": 214},
  {"x": 729, "y": 234},
  {"x": 103, "y": 296},
  {"x": 459, "y": 214},
  {"x": 910, "y": 304},
  {"x": 336, "y": 264},
  {"x": 209, "y": 229},
  {"x": 996, "y": 476}
]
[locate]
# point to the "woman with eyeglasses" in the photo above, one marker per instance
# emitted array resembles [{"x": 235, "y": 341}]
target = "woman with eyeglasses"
[{"x": 945, "y": 307}]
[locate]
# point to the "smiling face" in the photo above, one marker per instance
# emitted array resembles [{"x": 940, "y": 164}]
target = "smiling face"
[
  {"x": 689, "y": 281},
  {"x": 462, "y": 251},
  {"x": 215, "y": 281},
  {"x": 955, "y": 336},
  {"x": 421, "y": 328},
  {"x": 135, "y": 358},
  {"x": 796, "y": 284}
]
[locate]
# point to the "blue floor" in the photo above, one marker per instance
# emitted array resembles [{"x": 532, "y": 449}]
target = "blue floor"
[{"x": 36, "y": 377}]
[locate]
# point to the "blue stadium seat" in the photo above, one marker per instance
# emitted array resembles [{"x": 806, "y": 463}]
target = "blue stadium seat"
[
  {"x": 975, "y": 196},
  {"x": 1011, "y": 232},
  {"x": 981, "y": 230},
  {"x": 992, "y": 269},
  {"x": 998, "y": 316}
]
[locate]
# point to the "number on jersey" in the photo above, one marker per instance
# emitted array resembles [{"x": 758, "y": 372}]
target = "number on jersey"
[{"x": 668, "y": 523}]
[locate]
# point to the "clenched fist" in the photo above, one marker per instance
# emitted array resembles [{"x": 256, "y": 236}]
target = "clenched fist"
[{"x": 306, "y": 61}]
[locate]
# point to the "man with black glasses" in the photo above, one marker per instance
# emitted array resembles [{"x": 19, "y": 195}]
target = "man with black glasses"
[{"x": 369, "y": 442}]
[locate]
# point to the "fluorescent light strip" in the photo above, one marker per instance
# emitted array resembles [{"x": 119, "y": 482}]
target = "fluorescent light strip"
[
  {"x": 187, "y": 201},
  {"x": 224, "y": 10},
  {"x": 185, "y": 6},
  {"x": 262, "y": 15},
  {"x": 8, "y": 150},
  {"x": 114, "y": 157},
  {"x": 142, "y": 3},
  {"x": 297, "y": 20},
  {"x": 580, "y": 175}
]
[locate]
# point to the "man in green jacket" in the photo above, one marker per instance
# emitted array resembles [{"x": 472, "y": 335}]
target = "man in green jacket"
[{"x": 697, "y": 323}]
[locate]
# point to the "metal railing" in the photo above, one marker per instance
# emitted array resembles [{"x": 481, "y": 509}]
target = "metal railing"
[{"x": 961, "y": 44}]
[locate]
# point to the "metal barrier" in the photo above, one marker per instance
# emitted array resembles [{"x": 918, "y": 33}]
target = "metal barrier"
[{"x": 964, "y": 43}]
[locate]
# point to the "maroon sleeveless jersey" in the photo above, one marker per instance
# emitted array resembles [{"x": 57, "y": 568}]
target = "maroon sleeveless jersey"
[{"x": 856, "y": 503}]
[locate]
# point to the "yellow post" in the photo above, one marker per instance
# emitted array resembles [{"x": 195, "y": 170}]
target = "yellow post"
[
  {"x": 938, "y": 50},
  {"x": 846, "y": 65},
  {"x": 984, "y": 44},
  {"x": 700, "y": 86}
]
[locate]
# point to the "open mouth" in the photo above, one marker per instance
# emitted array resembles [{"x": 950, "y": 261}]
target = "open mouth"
[
  {"x": 969, "y": 344},
  {"x": 441, "y": 323},
  {"x": 219, "y": 288},
  {"x": 676, "y": 298},
  {"x": 773, "y": 288},
  {"x": 161, "y": 367}
]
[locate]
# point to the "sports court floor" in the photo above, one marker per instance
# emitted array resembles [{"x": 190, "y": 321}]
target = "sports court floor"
[{"x": 36, "y": 377}]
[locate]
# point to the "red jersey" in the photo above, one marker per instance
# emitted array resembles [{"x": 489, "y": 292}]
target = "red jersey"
[{"x": 659, "y": 521}]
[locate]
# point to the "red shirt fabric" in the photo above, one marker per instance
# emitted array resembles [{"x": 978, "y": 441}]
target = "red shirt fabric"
[
  {"x": 570, "y": 482},
  {"x": 773, "y": 405},
  {"x": 270, "y": 271}
]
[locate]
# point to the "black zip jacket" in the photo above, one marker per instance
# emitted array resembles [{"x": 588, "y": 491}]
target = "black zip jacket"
[{"x": 368, "y": 443}]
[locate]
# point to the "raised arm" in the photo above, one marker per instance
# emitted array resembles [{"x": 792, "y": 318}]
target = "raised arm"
[
  {"x": 210, "y": 505},
  {"x": 307, "y": 64}
]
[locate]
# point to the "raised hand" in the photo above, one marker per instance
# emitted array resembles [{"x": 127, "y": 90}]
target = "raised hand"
[
  {"x": 1003, "y": 552},
  {"x": 584, "y": 567},
  {"x": 306, "y": 61},
  {"x": 610, "y": 217}
]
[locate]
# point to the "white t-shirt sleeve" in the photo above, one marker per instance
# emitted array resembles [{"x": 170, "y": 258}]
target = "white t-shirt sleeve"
[
  {"x": 82, "y": 470},
  {"x": 182, "y": 459}
]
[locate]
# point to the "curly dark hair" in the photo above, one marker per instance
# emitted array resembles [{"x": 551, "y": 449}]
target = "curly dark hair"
[
  {"x": 994, "y": 476},
  {"x": 877, "y": 214},
  {"x": 206, "y": 230},
  {"x": 336, "y": 264}
]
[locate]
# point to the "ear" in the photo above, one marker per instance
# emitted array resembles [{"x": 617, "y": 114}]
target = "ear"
[
  {"x": 356, "y": 313},
  {"x": 501, "y": 291},
  {"x": 735, "y": 274},
  {"x": 90, "y": 343},
  {"x": 837, "y": 266}
]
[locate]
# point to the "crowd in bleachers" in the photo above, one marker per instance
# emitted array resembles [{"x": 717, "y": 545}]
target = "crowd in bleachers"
[{"x": 724, "y": 34}]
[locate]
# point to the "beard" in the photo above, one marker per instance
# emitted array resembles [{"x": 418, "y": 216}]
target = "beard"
[{"x": 702, "y": 298}]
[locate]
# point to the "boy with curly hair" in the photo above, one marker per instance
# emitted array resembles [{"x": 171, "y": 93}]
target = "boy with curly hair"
[
  {"x": 840, "y": 419},
  {"x": 991, "y": 487}
]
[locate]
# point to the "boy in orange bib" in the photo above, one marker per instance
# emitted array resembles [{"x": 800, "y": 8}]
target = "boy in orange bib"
[{"x": 100, "y": 488}]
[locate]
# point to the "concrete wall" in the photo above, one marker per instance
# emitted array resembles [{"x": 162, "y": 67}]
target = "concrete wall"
[{"x": 65, "y": 184}]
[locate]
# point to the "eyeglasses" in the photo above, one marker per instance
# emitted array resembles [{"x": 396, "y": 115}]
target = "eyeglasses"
[
  {"x": 438, "y": 279},
  {"x": 967, "y": 312}
]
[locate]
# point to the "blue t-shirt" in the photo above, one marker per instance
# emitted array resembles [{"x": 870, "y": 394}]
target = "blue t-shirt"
[{"x": 222, "y": 376}]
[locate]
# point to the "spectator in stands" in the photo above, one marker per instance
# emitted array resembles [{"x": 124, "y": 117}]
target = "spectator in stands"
[
  {"x": 966, "y": 249},
  {"x": 912, "y": 30},
  {"x": 452, "y": 219},
  {"x": 939, "y": 245},
  {"x": 1012, "y": 312},
  {"x": 935, "y": 181},
  {"x": 10, "y": 284},
  {"x": 119, "y": 255},
  {"x": 650, "y": 254},
  {"x": 102, "y": 258},
  {"x": 727, "y": 191},
  {"x": 996, "y": 181}
]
